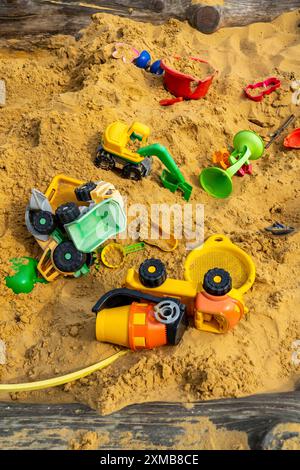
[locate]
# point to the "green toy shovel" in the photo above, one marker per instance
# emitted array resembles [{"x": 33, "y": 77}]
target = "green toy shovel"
[{"x": 217, "y": 182}]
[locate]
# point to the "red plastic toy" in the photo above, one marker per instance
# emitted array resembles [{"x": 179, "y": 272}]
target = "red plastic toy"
[
  {"x": 269, "y": 85},
  {"x": 179, "y": 84},
  {"x": 293, "y": 140}
]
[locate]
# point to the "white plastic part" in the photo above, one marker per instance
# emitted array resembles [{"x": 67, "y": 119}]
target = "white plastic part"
[
  {"x": 2, "y": 94},
  {"x": 2, "y": 353},
  {"x": 167, "y": 312}
]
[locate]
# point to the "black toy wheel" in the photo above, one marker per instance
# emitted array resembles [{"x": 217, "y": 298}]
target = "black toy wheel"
[
  {"x": 152, "y": 273},
  {"x": 67, "y": 213},
  {"x": 104, "y": 160},
  {"x": 67, "y": 258},
  {"x": 217, "y": 282},
  {"x": 43, "y": 221},
  {"x": 83, "y": 192},
  {"x": 132, "y": 172}
]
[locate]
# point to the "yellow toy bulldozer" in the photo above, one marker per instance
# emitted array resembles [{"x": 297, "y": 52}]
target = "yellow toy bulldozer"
[
  {"x": 115, "y": 152},
  {"x": 124, "y": 147}
]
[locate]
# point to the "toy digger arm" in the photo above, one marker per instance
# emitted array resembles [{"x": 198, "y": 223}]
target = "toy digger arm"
[{"x": 164, "y": 156}]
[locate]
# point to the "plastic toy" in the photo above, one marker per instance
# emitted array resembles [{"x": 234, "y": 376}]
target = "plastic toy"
[
  {"x": 118, "y": 253},
  {"x": 70, "y": 221},
  {"x": 2, "y": 94},
  {"x": 165, "y": 242},
  {"x": 295, "y": 86},
  {"x": 156, "y": 68},
  {"x": 280, "y": 130},
  {"x": 213, "y": 307},
  {"x": 217, "y": 182},
  {"x": 143, "y": 61},
  {"x": 63, "y": 379},
  {"x": 279, "y": 229},
  {"x": 221, "y": 157},
  {"x": 25, "y": 277},
  {"x": 219, "y": 251},
  {"x": 155, "y": 282},
  {"x": 293, "y": 140},
  {"x": 185, "y": 87},
  {"x": 136, "y": 164},
  {"x": 151, "y": 309},
  {"x": 269, "y": 85},
  {"x": 119, "y": 51},
  {"x": 139, "y": 321}
]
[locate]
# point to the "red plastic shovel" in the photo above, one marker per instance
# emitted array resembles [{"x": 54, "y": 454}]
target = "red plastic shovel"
[{"x": 293, "y": 139}]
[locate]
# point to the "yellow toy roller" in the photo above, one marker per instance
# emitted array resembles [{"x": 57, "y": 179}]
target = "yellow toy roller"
[{"x": 219, "y": 251}]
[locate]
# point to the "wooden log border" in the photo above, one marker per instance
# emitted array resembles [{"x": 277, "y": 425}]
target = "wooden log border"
[
  {"x": 36, "y": 426},
  {"x": 32, "y": 17}
]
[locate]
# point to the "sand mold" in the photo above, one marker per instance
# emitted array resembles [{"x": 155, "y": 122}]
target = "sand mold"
[{"x": 59, "y": 100}]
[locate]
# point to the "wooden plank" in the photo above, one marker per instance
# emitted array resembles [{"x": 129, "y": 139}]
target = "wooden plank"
[{"x": 36, "y": 426}]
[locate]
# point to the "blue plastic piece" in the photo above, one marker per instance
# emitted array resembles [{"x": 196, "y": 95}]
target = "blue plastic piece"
[
  {"x": 156, "y": 68},
  {"x": 143, "y": 60}
]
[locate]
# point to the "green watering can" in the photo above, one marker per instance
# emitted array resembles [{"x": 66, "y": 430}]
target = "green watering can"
[
  {"x": 26, "y": 275},
  {"x": 217, "y": 182}
]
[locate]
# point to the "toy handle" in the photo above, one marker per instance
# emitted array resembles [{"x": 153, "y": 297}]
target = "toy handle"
[
  {"x": 240, "y": 306},
  {"x": 133, "y": 248},
  {"x": 244, "y": 157},
  {"x": 123, "y": 296},
  {"x": 170, "y": 101}
]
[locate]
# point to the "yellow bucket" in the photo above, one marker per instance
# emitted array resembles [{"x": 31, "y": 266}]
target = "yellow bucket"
[{"x": 219, "y": 252}]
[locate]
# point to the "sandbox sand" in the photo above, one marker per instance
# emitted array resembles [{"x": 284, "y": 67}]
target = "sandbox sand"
[{"x": 60, "y": 98}]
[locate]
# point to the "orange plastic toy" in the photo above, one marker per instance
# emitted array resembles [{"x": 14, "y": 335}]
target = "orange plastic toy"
[
  {"x": 225, "y": 312},
  {"x": 143, "y": 329},
  {"x": 221, "y": 157},
  {"x": 139, "y": 321},
  {"x": 293, "y": 139},
  {"x": 216, "y": 311}
]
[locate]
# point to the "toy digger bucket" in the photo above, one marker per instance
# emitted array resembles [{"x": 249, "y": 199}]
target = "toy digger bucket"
[
  {"x": 172, "y": 183},
  {"x": 217, "y": 182}
]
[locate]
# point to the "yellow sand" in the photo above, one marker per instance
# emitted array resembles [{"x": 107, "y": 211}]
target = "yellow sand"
[{"x": 59, "y": 100}]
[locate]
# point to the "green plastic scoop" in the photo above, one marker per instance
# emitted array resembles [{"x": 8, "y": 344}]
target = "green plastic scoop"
[
  {"x": 217, "y": 182},
  {"x": 26, "y": 275}
]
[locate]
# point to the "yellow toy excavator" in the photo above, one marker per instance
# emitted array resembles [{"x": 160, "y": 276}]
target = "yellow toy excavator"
[{"x": 125, "y": 147}]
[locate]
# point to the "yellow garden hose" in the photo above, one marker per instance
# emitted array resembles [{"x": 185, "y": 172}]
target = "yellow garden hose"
[{"x": 63, "y": 379}]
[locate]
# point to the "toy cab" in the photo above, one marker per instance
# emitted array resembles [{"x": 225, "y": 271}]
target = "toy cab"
[{"x": 118, "y": 137}]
